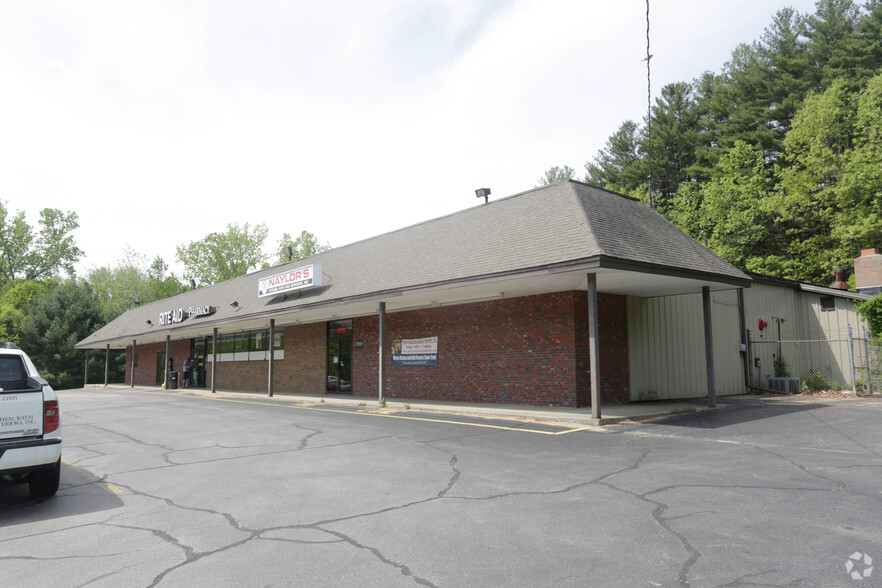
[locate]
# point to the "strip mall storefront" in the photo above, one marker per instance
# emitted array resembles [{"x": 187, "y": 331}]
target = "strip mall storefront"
[
  {"x": 521, "y": 300},
  {"x": 527, "y": 350}
]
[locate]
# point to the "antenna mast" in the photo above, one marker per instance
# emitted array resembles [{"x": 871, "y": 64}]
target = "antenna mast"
[{"x": 649, "y": 115}]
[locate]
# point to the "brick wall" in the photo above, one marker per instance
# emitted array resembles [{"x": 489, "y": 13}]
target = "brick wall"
[
  {"x": 301, "y": 372},
  {"x": 529, "y": 350},
  {"x": 145, "y": 373},
  {"x": 868, "y": 269}
]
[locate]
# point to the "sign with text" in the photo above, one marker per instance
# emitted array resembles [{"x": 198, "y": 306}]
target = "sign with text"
[
  {"x": 421, "y": 352},
  {"x": 295, "y": 279},
  {"x": 171, "y": 317}
]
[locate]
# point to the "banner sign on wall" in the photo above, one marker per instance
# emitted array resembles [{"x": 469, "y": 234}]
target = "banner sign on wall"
[
  {"x": 415, "y": 351},
  {"x": 295, "y": 279}
]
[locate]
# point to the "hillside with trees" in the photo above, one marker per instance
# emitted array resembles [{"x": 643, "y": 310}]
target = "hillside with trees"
[{"x": 775, "y": 162}]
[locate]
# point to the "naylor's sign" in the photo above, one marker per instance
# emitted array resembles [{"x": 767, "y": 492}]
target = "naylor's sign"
[
  {"x": 171, "y": 317},
  {"x": 295, "y": 279}
]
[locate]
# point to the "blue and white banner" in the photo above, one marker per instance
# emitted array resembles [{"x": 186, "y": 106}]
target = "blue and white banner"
[{"x": 420, "y": 352}]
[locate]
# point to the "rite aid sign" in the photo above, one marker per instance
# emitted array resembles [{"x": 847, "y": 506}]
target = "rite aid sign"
[
  {"x": 295, "y": 279},
  {"x": 170, "y": 317}
]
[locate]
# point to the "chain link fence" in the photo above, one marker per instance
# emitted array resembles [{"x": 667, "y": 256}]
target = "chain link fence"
[{"x": 847, "y": 361}]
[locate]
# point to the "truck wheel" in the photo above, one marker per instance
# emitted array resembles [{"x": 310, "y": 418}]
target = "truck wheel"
[{"x": 45, "y": 482}]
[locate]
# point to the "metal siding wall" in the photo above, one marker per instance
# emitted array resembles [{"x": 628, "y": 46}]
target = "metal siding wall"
[
  {"x": 805, "y": 321},
  {"x": 666, "y": 346}
]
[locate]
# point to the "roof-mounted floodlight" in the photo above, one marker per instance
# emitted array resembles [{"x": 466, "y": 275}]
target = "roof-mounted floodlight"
[
  {"x": 289, "y": 252},
  {"x": 235, "y": 304},
  {"x": 192, "y": 284},
  {"x": 483, "y": 193}
]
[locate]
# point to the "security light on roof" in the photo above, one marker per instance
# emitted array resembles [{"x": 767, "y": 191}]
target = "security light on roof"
[{"x": 483, "y": 193}]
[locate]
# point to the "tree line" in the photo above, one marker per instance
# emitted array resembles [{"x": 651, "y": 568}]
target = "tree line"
[
  {"x": 775, "y": 162},
  {"x": 45, "y": 308}
]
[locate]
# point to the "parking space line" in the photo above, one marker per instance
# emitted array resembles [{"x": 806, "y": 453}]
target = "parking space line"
[{"x": 370, "y": 413}]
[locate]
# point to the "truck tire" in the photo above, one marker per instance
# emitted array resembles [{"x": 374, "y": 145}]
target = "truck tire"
[{"x": 44, "y": 483}]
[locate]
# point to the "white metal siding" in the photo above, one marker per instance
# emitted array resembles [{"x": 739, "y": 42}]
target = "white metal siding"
[
  {"x": 804, "y": 322},
  {"x": 666, "y": 346}
]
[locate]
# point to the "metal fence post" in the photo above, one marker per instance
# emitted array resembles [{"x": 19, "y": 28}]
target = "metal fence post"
[
  {"x": 869, "y": 367},
  {"x": 851, "y": 359}
]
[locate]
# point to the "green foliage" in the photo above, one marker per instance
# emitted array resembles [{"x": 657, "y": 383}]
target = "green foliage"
[
  {"x": 224, "y": 256},
  {"x": 14, "y": 300},
  {"x": 57, "y": 320},
  {"x": 817, "y": 382},
  {"x": 30, "y": 254},
  {"x": 556, "y": 174},
  {"x": 620, "y": 165},
  {"x": 775, "y": 162},
  {"x": 132, "y": 283},
  {"x": 780, "y": 368},
  {"x": 305, "y": 245},
  {"x": 871, "y": 311}
]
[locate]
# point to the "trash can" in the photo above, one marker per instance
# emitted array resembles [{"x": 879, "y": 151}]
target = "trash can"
[{"x": 172, "y": 381}]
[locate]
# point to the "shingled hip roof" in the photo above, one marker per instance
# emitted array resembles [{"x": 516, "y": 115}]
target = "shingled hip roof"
[{"x": 569, "y": 227}]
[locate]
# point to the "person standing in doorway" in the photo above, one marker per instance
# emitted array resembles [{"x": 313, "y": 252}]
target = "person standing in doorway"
[{"x": 187, "y": 365}]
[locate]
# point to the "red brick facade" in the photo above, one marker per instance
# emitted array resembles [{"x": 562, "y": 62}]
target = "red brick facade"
[
  {"x": 301, "y": 372},
  {"x": 528, "y": 350},
  {"x": 146, "y": 370}
]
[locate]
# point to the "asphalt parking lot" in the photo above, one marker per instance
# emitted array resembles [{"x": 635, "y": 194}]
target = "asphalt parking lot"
[{"x": 174, "y": 489}]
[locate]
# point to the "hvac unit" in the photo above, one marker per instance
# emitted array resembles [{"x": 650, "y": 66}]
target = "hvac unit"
[{"x": 785, "y": 385}]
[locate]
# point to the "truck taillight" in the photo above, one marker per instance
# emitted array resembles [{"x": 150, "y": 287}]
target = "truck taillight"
[{"x": 51, "y": 418}]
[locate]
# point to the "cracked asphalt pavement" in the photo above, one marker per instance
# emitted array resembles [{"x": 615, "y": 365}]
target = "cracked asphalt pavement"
[{"x": 170, "y": 489}]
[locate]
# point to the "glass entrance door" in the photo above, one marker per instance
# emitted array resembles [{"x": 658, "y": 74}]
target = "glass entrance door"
[{"x": 339, "y": 379}]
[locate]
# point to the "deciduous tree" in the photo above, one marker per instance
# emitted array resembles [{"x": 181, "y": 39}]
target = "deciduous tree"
[{"x": 224, "y": 256}]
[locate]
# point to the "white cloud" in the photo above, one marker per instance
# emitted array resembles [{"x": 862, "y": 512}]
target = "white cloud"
[{"x": 159, "y": 122}]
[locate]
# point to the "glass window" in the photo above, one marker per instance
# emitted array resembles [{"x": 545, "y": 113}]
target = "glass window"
[
  {"x": 227, "y": 343},
  {"x": 241, "y": 345},
  {"x": 259, "y": 341},
  {"x": 279, "y": 340}
]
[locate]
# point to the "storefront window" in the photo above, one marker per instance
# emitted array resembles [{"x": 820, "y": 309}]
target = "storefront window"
[
  {"x": 247, "y": 346},
  {"x": 258, "y": 341},
  {"x": 227, "y": 344}
]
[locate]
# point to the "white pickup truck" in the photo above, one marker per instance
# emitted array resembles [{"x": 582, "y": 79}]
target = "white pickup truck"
[{"x": 30, "y": 425}]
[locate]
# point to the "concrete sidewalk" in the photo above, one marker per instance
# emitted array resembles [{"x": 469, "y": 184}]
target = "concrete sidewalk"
[{"x": 610, "y": 413}]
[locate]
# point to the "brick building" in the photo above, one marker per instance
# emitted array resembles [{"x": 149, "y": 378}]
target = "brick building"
[{"x": 490, "y": 304}]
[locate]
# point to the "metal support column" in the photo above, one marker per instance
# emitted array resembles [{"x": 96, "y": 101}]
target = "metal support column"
[
  {"x": 272, "y": 356},
  {"x": 867, "y": 362},
  {"x": 107, "y": 365},
  {"x": 593, "y": 346},
  {"x": 382, "y": 359},
  {"x": 134, "y": 359},
  {"x": 742, "y": 326},
  {"x": 850, "y": 359},
  {"x": 167, "y": 357},
  {"x": 709, "y": 347},
  {"x": 214, "y": 361},
  {"x": 86, "y": 374}
]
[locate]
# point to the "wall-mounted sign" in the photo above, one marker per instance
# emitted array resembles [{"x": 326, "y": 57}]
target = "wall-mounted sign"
[
  {"x": 423, "y": 352},
  {"x": 295, "y": 279},
  {"x": 197, "y": 311},
  {"x": 171, "y": 317}
]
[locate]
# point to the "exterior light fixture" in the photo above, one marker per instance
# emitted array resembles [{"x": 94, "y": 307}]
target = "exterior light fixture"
[
  {"x": 192, "y": 284},
  {"x": 289, "y": 252},
  {"x": 483, "y": 193},
  {"x": 235, "y": 304},
  {"x": 149, "y": 323}
]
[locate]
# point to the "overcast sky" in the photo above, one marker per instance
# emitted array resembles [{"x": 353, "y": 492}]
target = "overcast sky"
[{"x": 159, "y": 122}]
